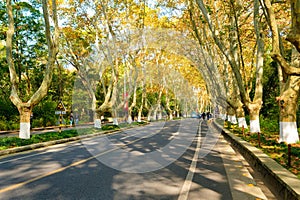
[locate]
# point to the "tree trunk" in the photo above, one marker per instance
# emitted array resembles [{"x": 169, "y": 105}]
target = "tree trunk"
[
  {"x": 289, "y": 90},
  {"x": 96, "y": 114},
  {"x": 25, "y": 113},
  {"x": 97, "y": 121},
  {"x": 168, "y": 106},
  {"x": 241, "y": 116},
  {"x": 133, "y": 104},
  {"x": 288, "y": 108},
  {"x": 254, "y": 109},
  {"x": 294, "y": 34},
  {"x": 139, "y": 119},
  {"x": 149, "y": 114},
  {"x": 255, "y": 106},
  {"x": 115, "y": 117},
  {"x": 171, "y": 116},
  {"x": 231, "y": 115}
]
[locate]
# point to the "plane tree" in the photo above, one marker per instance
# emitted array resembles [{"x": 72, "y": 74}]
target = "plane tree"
[
  {"x": 22, "y": 95},
  {"x": 288, "y": 66},
  {"x": 232, "y": 39}
]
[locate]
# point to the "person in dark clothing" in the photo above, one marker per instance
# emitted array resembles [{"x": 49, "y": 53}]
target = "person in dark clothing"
[{"x": 203, "y": 115}]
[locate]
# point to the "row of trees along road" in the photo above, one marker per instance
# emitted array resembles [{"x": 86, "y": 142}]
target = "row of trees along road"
[
  {"x": 142, "y": 56},
  {"x": 246, "y": 55}
]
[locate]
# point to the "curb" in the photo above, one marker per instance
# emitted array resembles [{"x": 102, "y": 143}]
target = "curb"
[{"x": 279, "y": 180}]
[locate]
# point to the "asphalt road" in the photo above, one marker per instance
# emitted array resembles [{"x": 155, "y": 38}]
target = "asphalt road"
[{"x": 166, "y": 160}]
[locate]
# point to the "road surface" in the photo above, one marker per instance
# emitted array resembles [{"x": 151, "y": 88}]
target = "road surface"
[{"x": 182, "y": 160}]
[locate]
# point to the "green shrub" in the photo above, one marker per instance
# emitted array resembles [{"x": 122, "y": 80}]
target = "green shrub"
[
  {"x": 269, "y": 125},
  {"x": 3, "y": 126},
  {"x": 44, "y": 114},
  {"x": 110, "y": 127},
  {"x": 8, "y": 142},
  {"x": 14, "y": 126},
  {"x": 139, "y": 123},
  {"x": 37, "y": 123}
]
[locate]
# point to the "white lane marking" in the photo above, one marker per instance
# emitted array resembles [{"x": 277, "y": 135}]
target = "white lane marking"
[{"x": 184, "y": 192}]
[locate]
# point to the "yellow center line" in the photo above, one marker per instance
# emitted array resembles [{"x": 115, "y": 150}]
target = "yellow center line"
[{"x": 15, "y": 186}]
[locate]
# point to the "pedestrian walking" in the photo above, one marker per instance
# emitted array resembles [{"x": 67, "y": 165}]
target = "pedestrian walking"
[{"x": 71, "y": 118}]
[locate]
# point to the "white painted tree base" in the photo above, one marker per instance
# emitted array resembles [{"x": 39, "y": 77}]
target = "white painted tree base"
[
  {"x": 154, "y": 118},
  {"x": 24, "y": 130},
  {"x": 232, "y": 119},
  {"x": 242, "y": 122},
  {"x": 129, "y": 120},
  {"x": 288, "y": 132},
  {"x": 97, "y": 123},
  {"x": 223, "y": 116},
  {"x": 160, "y": 116},
  {"x": 115, "y": 121},
  {"x": 139, "y": 119},
  {"x": 254, "y": 126}
]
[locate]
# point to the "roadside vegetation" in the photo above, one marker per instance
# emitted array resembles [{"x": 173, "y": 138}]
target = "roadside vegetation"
[
  {"x": 267, "y": 141},
  {"x": 11, "y": 142}
]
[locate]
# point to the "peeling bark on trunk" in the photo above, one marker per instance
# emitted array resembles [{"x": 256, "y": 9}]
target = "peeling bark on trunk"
[
  {"x": 288, "y": 103},
  {"x": 25, "y": 113},
  {"x": 254, "y": 110},
  {"x": 25, "y": 108},
  {"x": 288, "y": 100}
]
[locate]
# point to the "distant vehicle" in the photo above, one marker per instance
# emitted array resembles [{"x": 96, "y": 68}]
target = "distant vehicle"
[{"x": 195, "y": 115}]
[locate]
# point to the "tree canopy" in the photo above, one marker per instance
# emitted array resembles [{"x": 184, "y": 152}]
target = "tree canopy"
[{"x": 134, "y": 59}]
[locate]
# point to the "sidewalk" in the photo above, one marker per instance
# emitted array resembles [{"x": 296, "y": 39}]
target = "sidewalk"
[
  {"x": 241, "y": 182},
  {"x": 280, "y": 181}
]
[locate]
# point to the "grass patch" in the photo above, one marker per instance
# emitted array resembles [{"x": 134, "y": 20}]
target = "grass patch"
[
  {"x": 10, "y": 142},
  {"x": 110, "y": 127},
  {"x": 139, "y": 123}
]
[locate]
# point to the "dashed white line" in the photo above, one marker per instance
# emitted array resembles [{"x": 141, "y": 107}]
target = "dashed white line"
[{"x": 183, "y": 195}]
